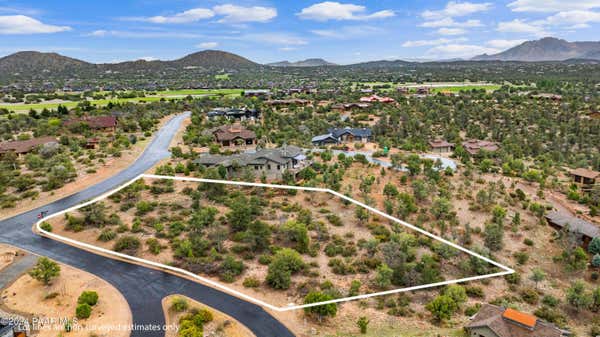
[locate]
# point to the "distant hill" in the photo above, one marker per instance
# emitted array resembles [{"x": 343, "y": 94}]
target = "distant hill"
[
  {"x": 31, "y": 64},
  {"x": 546, "y": 49},
  {"x": 315, "y": 62},
  {"x": 27, "y": 63}
]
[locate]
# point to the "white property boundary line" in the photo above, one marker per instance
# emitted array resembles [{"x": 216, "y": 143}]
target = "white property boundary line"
[{"x": 506, "y": 270}]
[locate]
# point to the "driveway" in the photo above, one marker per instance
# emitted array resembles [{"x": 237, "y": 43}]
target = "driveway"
[{"x": 143, "y": 288}]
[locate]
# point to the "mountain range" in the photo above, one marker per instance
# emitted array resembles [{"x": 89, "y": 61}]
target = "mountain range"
[
  {"x": 546, "y": 49},
  {"x": 314, "y": 62},
  {"x": 32, "y": 64}
]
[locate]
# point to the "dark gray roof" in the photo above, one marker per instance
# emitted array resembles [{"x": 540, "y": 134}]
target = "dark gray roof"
[
  {"x": 282, "y": 155},
  {"x": 357, "y": 132},
  {"x": 576, "y": 225}
]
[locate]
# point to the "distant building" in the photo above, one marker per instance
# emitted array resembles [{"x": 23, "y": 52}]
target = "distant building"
[
  {"x": 288, "y": 102},
  {"x": 423, "y": 91},
  {"x": 107, "y": 123},
  {"x": 586, "y": 230},
  {"x": 441, "y": 146},
  {"x": 233, "y": 135},
  {"x": 24, "y": 146},
  {"x": 403, "y": 90},
  {"x": 233, "y": 114},
  {"x": 552, "y": 97},
  {"x": 474, "y": 146},
  {"x": 375, "y": 99},
  {"x": 257, "y": 93},
  {"x": 585, "y": 177},
  {"x": 343, "y": 107},
  {"x": 344, "y": 135},
  {"x": 272, "y": 163},
  {"x": 495, "y": 321}
]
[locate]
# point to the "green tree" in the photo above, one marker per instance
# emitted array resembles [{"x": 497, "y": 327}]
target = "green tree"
[
  {"x": 258, "y": 235},
  {"x": 285, "y": 262},
  {"x": 578, "y": 297},
  {"x": 442, "y": 307},
  {"x": 537, "y": 276},
  {"x": 594, "y": 247},
  {"x": 363, "y": 323},
  {"x": 296, "y": 232},
  {"x": 83, "y": 311},
  {"x": 89, "y": 297},
  {"x": 494, "y": 236},
  {"x": 45, "y": 270},
  {"x": 321, "y": 311},
  {"x": 457, "y": 293},
  {"x": 383, "y": 279}
]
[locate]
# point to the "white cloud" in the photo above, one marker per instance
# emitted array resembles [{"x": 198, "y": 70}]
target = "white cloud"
[
  {"x": 148, "y": 58},
  {"x": 288, "y": 48},
  {"x": 519, "y": 26},
  {"x": 144, "y": 34},
  {"x": 459, "y": 51},
  {"x": 449, "y": 22},
  {"x": 330, "y": 10},
  {"x": 437, "y": 42},
  {"x": 21, "y": 24},
  {"x": 550, "y": 6},
  {"x": 239, "y": 14},
  {"x": 208, "y": 45},
  {"x": 99, "y": 33},
  {"x": 456, "y": 9},
  {"x": 573, "y": 19},
  {"x": 275, "y": 38},
  {"x": 347, "y": 32},
  {"x": 451, "y": 31},
  {"x": 191, "y": 15},
  {"x": 504, "y": 44}
]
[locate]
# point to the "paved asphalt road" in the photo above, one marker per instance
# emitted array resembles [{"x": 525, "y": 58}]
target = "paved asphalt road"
[{"x": 143, "y": 288}]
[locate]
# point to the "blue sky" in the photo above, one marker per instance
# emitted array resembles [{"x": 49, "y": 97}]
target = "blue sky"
[{"x": 268, "y": 31}]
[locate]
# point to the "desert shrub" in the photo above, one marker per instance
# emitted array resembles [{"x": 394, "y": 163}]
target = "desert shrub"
[
  {"x": 284, "y": 264},
  {"x": 127, "y": 244},
  {"x": 230, "y": 268},
  {"x": 251, "y": 282},
  {"x": 107, "y": 235},
  {"x": 46, "y": 226},
  {"x": 179, "y": 304},
  {"x": 530, "y": 296},
  {"x": 154, "y": 246},
  {"x": 89, "y": 297},
  {"x": 83, "y": 311}
]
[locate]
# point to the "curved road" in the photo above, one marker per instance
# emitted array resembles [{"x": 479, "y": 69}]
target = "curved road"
[{"x": 143, "y": 288}]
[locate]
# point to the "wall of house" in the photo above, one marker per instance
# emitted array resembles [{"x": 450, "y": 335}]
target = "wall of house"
[{"x": 481, "y": 332}]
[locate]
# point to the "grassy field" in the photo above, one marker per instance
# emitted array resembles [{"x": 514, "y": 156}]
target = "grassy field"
[
  {"x": 435, "y": 87},
  {"x": 169, "y": 94},
  {"x": 455, "y": 89},
  {"x": 222, "y": 77}
]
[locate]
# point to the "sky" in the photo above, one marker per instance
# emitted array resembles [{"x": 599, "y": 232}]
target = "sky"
[{"x": 268, "y": 31}]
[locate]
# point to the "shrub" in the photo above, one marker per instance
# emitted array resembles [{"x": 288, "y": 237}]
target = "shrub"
[
  {"x": 127, "y": 244},
  {"x": 179, "y": 304},
  {"x": 89, "y": 297},
  {"x": 530, "y": 296},
  {"x": 251, "y": 282},
  {"x": 521, "y": 257},
  {"x": 442, "y": 307},
  {"x": 154, "y": 246},
  {"x": 472, "y": 310},
  {"x": 230, "y": 268},
  {"x": 321, "y": 310},
  {"x": 107, "y": 235},
  {"x": 83, "y": 311},
  {"x": 46, "y": 226},
  {"x": 45, "y": 270},
  {"x": 362, "y": 323},
  {"x": 284, "y": 264}
]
